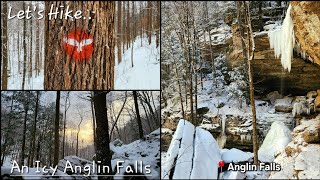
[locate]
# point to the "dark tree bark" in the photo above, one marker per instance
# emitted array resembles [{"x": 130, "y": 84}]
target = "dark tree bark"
[
  {"x": 4, "y": 42},
  {"x": 119, "y": 40},
  {"x": 138, "y": 114},
  {"x": 26, "y": 109},
  {"x": 158, "y": 17},
  {"x": 24, "y": 49},
  {"x": 103, "y": 152},
  {"x": 56, "y": 131},
  {"x": 96, "y": 72},
  {"x": 34, "y": 129}
]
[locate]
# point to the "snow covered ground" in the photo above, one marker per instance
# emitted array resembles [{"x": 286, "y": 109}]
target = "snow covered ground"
[{"x": 145, "y": 73}]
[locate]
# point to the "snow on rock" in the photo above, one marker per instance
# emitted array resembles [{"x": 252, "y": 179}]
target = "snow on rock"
[
  {"x": 147, "y": 152},
  {"x": 207, "y": 154},
  {"x": 283, "y": 105},
  {"x": 183, "y": 165},
  {"x": 166, "y": 131},
  {"x": 173, "y": 150},
  {"x": 300, "y": 160},
  {"x": 191, "y": 151},
  {"x": 145, "y": 73},
  {"x": 232, "y": 175},
  {"x": 236, "y": 155},
  {"x": 276, "y": 140},
  {"x": 282, "y": 41}
]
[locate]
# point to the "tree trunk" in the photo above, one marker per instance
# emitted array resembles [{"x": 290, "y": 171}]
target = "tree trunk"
[
  {"x": 119, "y": 40},
  {"x": 24, "y": 49},
  {"x": 248, "y": 54},
  {"x": 30, "y": 48},
  {"x": 103, "y": 152},
  {"x": 96, "y": 72},
  {"x": 124, "y": 26},
  {"x": 141, "y": 22},
  {"x": 56, "y": 131},
  {"x": 34, "y": 129},
  {"x": 138, "y": 114},
  {"x": 158, "y": 17},
  {"x": 4, "y": 42},
  {"x": 24, "y": 137},
  {"x": 93, "y": 122},
  {"x": 66, "y": 107},
  {"x": 77, "y": 148},
  {"x": 38, "y": 48},
  {"x": 128, "y": 29},
  {"x": 149, "y": 24}
]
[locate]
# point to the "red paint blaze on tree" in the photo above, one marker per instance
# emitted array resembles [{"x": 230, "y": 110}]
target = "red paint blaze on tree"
[{"x": 78, "y": 45}]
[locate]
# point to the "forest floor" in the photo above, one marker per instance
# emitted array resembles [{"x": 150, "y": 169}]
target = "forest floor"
[{"x": 145, "y": 73}]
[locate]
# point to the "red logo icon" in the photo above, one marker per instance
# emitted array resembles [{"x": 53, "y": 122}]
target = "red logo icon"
[
  {"x": 221, "y": 163},
  {"x": 78, "y": 45}
]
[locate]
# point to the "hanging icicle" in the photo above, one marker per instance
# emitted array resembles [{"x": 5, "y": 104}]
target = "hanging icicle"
[{"x": 282, "y": 41}]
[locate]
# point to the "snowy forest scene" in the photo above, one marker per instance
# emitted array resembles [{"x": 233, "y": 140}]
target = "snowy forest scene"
[
  {"x": 80, "y": 134},
  {"x": 80, "y": 45},
  {"x": 240, "y": 88}
]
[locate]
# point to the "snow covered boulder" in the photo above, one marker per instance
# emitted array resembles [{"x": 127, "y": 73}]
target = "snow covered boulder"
[
  {"x": 236, "y": 155},
  {"x": 273, "y": 96},
  {"x": 117, "y": 142},
  {"x": 193, "y": 153},
  {"x": 300, "y": 160},
  {"x": 276, "y": 140},
  {"x": 283, "y": 105}
]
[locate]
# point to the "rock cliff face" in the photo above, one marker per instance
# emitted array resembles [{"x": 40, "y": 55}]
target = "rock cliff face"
[
  {"x": 306, "y": 20},
  {"x": 269, "y": 74}
]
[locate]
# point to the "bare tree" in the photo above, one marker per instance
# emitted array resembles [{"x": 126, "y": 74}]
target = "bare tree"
[
  {"x": 119, "y": 113},
  {"x": 248, "y": 47},
  {"x": 138, "y": 114},
  {"x": 81, "y": 119},
  {"x": 56, "y": 131},
  {"x": 66, "y": 107},
  {"x": 119, "y": 40},
  {"x": 24, "y": 49},
  {"x": 4, "y": 42},
  {"x": 34, "y": 129},
  {"x": 103, "y": 152}
]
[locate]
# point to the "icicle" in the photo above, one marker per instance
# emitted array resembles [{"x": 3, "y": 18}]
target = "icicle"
[
  {"x": 282, "y": 41},
  {"x": 223, "y": 124},
  {"x": 242, "y": 137}
]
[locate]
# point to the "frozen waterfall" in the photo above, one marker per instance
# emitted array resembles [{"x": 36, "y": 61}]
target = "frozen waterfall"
[{"x": 282, "y": 41}]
